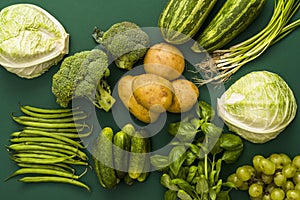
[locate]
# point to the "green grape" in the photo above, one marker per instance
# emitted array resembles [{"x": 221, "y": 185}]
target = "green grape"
[
  {"x": 286, "y": 159},
  {"x": 277, "y": 194},
  {"x": 267, "y": 179},
  {"x": 289, "y": 170},
  {"x": 245, "y": 173},
  {"x": 256, "y": 161},
  {"x": 296, "y": 162},
  {"x": 244, "y": 186},
  {"x": 293, "y": 195},
  {"x": 277, "y": 160},
  {"x": 266, "y": 197},
  {"x": 267, "y": 167},
  {"x": 289, "y": 185},
  {"x": 269, "y": 188},
  {"x": 279, "y": 179},
  {"x": 235, "y": 180},
  {"x": 296, "y": 177},
  {"x": 297, "y": 186},
  {"x": 255, "y": 190}
]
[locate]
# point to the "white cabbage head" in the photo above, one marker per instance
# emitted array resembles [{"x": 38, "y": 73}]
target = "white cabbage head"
[
  {"x": 31, "y": 40},
  {"x": 258, "y": 106}
]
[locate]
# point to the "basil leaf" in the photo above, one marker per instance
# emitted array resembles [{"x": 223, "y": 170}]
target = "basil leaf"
[
  {"x": 159, "y": 161},
  {"x": 170, "y": 195},
  {"x": 176, "y": 157},
  {"x": 165, "y": 180},
  {"x": 205, "y": 111},
  {"x": 230, "y": 141},
  {"x": 181, "y": 194},
  {"x": 202, "y": 186},
  {"x": 231, "y": 156}
]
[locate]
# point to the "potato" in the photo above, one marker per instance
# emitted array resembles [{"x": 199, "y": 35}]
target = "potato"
[
  {"x": 164, "y": 60},
  {"x": 186, "y": 95},
  {"x": 129, "y": 101},
  {"x": 153, "y": 92}
]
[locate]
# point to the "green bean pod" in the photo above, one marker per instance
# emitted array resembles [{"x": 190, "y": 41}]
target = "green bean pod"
[
  {"x": 41, "y": 161},
  {"x": 45, "y": 110},
  {"x": 65, "y": 168},
  {"x": 55, "y": 120},
  {"x": 39, "y": 179},
  {"x": 52, "y": 172},
  {"x": 36, "y": 139}
]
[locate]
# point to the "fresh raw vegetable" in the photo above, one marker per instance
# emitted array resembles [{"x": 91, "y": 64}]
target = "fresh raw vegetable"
[
  {"x": 153, "y": 92},
  {"x": 258, "y": 106},
  {"x": 121, "y": 156},
  {"x": 192, "y": 168},
  {"x": 228, "y": 61},
  {"x": 181, "y": 19},
  {"x": 84, "y": 75},
  {"x": 186, "y": 95},
  {"x": 126, "y": 42},
  {"x": 49, "y": 154},
  {"x": 164, "y": 60},
  {"x": 232, "y": 19},
  {"x": 36, "y": 42},
  {"x": 126, "y": 95},
  {"x": 274, "y": 177}
]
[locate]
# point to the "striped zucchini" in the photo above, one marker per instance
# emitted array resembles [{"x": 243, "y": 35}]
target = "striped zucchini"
[
  {"x": 233, "y": 18},
  {"x": 181, "y": 19}
]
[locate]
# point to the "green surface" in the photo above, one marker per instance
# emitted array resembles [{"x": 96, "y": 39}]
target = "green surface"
[{"x": 79, "y": 19}]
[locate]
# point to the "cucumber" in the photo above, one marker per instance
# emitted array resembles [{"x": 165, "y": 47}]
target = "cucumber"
[
  {"x": 233, "y": 18},
  {"x": 147, "y": 165},
  {"x": 104, "y": 159},
  {"x": 181, "y": 19},
  {"x": 137, "y": 157},
  {"x": 121, "y": 153}
]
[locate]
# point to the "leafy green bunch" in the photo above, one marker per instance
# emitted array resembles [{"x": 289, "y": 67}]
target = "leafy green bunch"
[{"x": 192, "y": 168}]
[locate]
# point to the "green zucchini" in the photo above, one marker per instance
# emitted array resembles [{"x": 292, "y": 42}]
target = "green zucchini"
[
  {"x": 137, "y": 158},
  {"x": 233, "y": 18},
  {"x": 104, "y": 164},
  {"x": 181, "y": 19},
  {"x": 121, "y": 153}
]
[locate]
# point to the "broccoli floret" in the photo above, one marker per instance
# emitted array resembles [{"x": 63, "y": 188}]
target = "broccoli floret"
[
  {"x": 126, "y": 42},
  {"x": 81, "y": 75}
]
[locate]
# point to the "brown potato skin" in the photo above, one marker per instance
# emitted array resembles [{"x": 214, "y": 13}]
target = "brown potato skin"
[
  {"x": 129, "y": 101},
  {"x": 186, "y": 95},
  {"x": 164, "y": 60},
  {"x": 153, "y": 92}
]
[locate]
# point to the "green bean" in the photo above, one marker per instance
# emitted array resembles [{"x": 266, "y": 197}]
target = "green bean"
[
  {"x": 53, "y": 172},
  {"x": 51, "y": 153},
  {"x": 38, "y": 179},
  {"x": 48, "y": 125},
  {"x": 80, "y": 153},
  {"x": 27, "y": 147},
  {"x": 52, "y": 120},
  {"x": 36, "y": 139},
  {"x": 51, "y": 135},
  {"x": 50, "y": 115},
  {"x": 45, "y": 110},
  {"x": 41, "y": 161},
  {"x": 59, "y": 167},
  {"x": 58, "y": 130}
]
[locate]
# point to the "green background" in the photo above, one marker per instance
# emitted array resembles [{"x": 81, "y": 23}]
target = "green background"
[{"x": 79, "y": 19}]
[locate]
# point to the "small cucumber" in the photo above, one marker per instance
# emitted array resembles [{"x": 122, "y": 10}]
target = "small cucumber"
[
  {"x": 147, "y": 165},
  {"x": 137, "y": 155},
  {"x": 121, "y": 153},
  {"x": 104, "y": 160}
]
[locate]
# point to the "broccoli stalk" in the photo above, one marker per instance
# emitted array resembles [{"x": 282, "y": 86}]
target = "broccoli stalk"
[
  {"x": 126, "y": 42},
  {"x": 84, "y": 75}
]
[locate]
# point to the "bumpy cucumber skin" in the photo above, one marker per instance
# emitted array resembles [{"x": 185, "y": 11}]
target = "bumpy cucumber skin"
[
  {"x": 181, "y": 19},
  {"x": 147, "y": 164},
  {"x": 233, "y": 18},
  {"x": 104, "y": 151},
  {"x": 137, "y": 156},
  {"x": 121, "y": 153}
]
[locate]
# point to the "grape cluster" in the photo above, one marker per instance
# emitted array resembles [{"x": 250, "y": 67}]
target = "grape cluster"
[{"x": 276, "y": 177}]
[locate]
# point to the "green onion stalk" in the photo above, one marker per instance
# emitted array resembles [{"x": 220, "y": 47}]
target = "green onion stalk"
[{"x": 226, "y": 62}]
